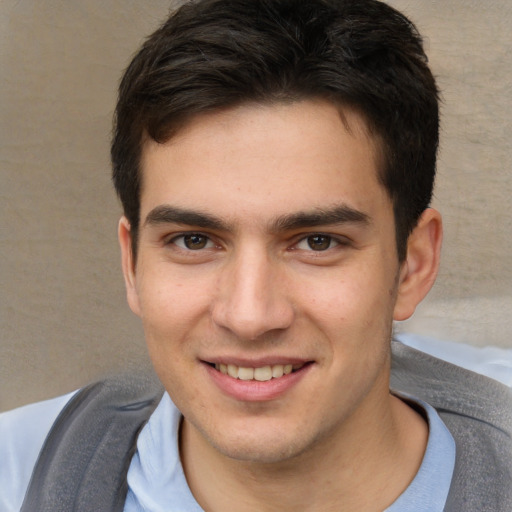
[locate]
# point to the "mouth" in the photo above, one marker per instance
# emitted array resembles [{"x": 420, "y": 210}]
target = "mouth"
[
  {"x": 260, "y": 374},
  {"x": 262, "y": 381}
]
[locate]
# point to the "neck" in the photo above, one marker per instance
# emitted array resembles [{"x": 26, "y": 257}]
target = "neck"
[{"x": 364, "y": 465}]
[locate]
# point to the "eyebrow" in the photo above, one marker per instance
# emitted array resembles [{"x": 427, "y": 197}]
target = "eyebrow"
[
  {"x": 339, "y": 214},
  {"x": 166, "y": 214}
]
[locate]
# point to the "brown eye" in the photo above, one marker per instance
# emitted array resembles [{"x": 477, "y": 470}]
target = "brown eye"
[
  {"x": 193, "y": 241},
  {"x": 319, "y": 242}
]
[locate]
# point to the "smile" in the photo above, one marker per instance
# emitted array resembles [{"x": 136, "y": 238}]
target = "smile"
[
  {"x": 257, "y": 381},
  {"x": 261, "y": 374}
]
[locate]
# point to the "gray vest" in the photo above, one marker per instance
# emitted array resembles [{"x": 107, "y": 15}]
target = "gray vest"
[
  {"x": 83, "y": 464},
  {"x": 478, "y": 413}
]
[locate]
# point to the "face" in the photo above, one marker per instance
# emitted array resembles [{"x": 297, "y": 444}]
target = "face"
[{"x": 266, "y": 277}]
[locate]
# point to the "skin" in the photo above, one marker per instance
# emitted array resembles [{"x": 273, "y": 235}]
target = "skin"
[{"x": 266, "y": 236}]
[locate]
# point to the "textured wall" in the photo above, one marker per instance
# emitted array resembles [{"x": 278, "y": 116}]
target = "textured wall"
[
  {"x": 63, "y": 318},
  {"x": 469, "y": 44}
]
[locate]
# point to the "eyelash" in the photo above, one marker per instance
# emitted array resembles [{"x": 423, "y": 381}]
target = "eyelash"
[
  {"x": 184, "y": 236},
  {"x": 330, "y": 241}
]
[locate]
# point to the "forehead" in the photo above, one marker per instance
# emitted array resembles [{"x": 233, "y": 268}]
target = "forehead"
[{"x": 265, "y": 159}]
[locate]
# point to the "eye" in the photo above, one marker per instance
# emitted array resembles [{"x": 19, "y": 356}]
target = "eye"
[
  {"x": 317, "y": 242},
  {"x": 193, "y": 242}
]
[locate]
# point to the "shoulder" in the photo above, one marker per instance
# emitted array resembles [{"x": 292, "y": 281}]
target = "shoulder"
[
  {"x": 451, "y": 387},
  {"x": 22, "y": 434},
  {"x": 81, "y": 419},
  {"x": 478, "y": 412},
  {"x": 493, "y": 362}
]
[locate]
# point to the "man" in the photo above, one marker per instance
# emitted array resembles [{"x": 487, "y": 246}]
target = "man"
[{"x": 275, "y": 160}]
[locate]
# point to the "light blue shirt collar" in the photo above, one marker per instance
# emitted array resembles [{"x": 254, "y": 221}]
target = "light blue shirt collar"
[
  {"x": 157, "y": 483},
  {"x": 429, "y": 489}
]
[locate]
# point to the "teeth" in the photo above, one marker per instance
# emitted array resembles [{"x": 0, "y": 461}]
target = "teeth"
[
  {"x": 245, "y": 373},
  {"x": 277, "y": 371},
  {"x": 263, "y": 374},
  {"x": 233, "y": 371},
  {"x": 260, "y": 374}
]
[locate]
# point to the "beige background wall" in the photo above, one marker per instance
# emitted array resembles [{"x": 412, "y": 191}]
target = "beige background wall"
[{"x": 63, "y": 318}]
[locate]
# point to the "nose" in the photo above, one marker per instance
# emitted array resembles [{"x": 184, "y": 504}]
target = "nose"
[{"x": 252, "y": 296}]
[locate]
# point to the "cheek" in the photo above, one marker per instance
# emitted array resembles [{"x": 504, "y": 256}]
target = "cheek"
[
  {"x": 166, "y": 314},
  {"x": 168, "y": 298},
  {"x": 350, "y": 298},
  {"x": 169, "y": 314},
  {"x": 355, "y": 315}
]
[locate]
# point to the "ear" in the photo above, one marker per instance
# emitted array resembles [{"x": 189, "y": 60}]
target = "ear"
[
  {"x": 419, "y": 270},
  {"x": 128, "y": 264}
]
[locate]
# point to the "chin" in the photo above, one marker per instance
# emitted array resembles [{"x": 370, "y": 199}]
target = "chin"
[
  {"x": 263, "y": 452},
  {"x": 262, "y": 444}
]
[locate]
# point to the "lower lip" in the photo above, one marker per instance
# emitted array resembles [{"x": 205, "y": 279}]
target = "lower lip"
[{"x": 253, "y": 390}]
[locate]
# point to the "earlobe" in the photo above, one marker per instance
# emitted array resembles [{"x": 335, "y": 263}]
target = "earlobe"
[
  {"x": 419, "y": 270},
  {"x": 128, "y": 264}
]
